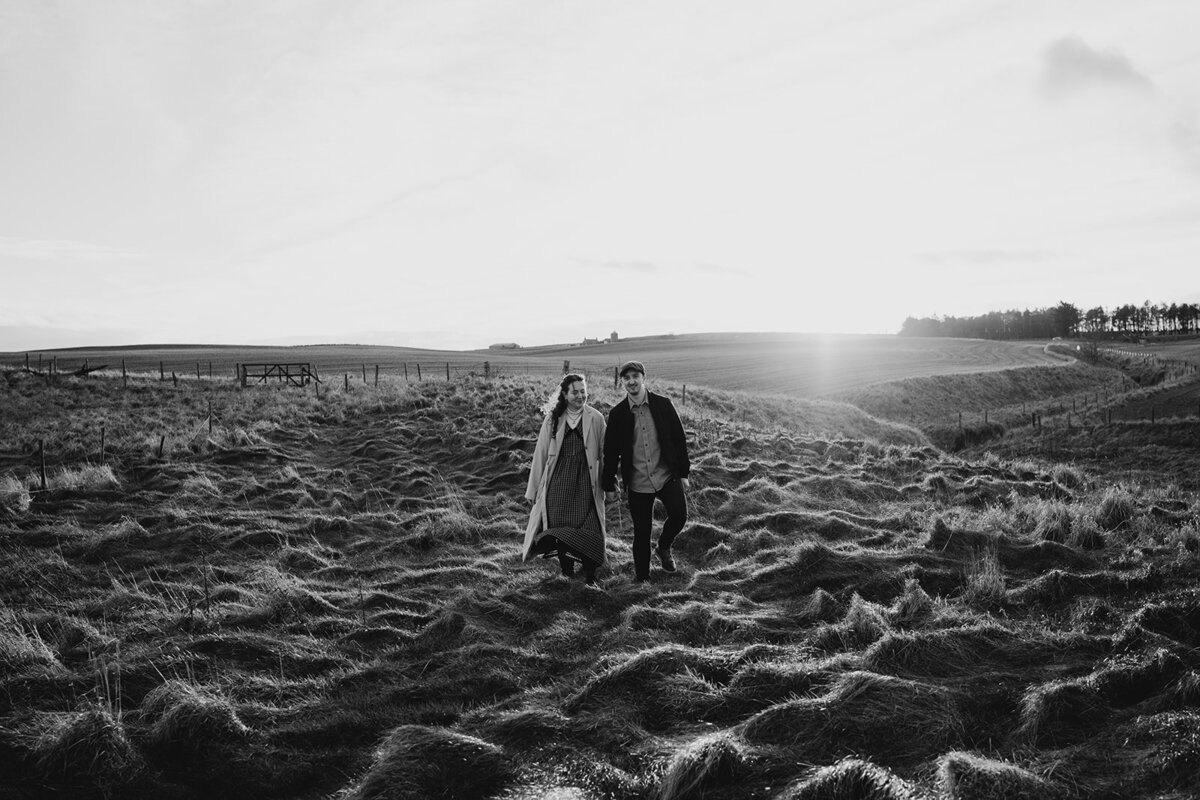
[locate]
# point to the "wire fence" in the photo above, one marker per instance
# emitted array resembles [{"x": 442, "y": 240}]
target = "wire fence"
[{"x": 327, "y": 373}]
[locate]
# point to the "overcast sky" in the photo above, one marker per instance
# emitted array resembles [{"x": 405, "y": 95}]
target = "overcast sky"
[{"x": 453, "y": 173}]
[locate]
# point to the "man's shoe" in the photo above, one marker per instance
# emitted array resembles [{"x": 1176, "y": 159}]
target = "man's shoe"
[{"x": 664, "y": 557}]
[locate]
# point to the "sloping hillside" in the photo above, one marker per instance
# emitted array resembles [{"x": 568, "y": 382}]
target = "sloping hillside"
[{"x": 324, "y": 598}]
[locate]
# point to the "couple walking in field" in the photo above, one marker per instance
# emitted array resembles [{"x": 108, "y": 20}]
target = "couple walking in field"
[{"x": 576, "y": 463}]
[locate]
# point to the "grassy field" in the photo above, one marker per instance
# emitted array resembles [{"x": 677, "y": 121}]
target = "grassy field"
[
  {"x": 265, "y": 594},
  {"x": 797, "y": 364}
]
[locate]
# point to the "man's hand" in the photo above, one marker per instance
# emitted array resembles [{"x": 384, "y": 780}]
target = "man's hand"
[{"x": 684, "y": 483}]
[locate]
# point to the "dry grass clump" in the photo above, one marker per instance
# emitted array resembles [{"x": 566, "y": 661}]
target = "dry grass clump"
[
  {"x": 755, "y": 496},
  {"x": 944, "y": 653},
  {"x": 1086, "y": 533},
  {"x": 440, "y": 527},
  {"x": 1186, "y": 538},
  {"x": 85, "y": 478},
  {"x": 1161, "y": 751},
  {"x": 106, "y": 542},
  {"x": 864, "y": 623},
  {"x": 528, "y": 726},
  {"x": 185, "y": 718},
  {"x": 416, "y": 762},
  {"x": 703, "y": 767},
  {"x": 1129, "y": 681},
  {"x": 898, "y": 720},
  {"x": 22, "y": 647},
  {"x": 913, "y": 607},
  {"x": 1061, "y": 713},
  {"x": 74, "y": 639},
  {"x": 761, "y": 684},
  {"x": 14, "y": 495},
  {"x": 853, "y": 779},
  {"x": 1046, "y": 520},
  {"x": 660, "y": 684},
  {"x": 1069, "y": 476},
  {"x": 280, "y": 596},
  {"x": 969, "y": 776},
  {"x": 800, "y": 568},
  {"x": 1116, "y": 508},
  {"x": 88, "y": 750},
  {"x": 985, "y": 587}
]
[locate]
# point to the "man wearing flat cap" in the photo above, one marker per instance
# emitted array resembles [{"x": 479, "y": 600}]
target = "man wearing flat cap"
[{"x": 645, "y": 441}]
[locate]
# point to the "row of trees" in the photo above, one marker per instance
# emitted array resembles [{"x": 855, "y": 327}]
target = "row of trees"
[{"x": 1148, "y": 319}]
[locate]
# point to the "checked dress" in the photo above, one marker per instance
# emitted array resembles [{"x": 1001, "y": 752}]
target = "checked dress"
[{"x": 571, "y": 521}]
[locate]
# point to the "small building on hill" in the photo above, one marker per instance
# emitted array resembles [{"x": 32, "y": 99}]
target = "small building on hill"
[
  {"x": 591, "y": 341},
  {"x": 504, "y": 346}
]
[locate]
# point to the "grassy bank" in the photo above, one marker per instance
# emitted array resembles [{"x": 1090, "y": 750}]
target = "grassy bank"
[{"x": 324, "y": 598}]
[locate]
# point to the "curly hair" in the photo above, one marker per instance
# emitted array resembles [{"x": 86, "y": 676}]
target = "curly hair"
[{"x": 560, "y": 405}]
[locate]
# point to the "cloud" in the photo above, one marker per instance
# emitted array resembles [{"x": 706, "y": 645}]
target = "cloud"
[
  {"x": 982, "y": 257},
  {"x": 1185, "y": 136},
  {"x": 640, "y": 267},
  {"x": 1071, "y": 66},
  {"x": 47, "y": 249}
]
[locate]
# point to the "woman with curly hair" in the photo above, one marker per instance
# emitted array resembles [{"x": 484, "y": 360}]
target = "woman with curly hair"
[{"x": 567, "y": 519}]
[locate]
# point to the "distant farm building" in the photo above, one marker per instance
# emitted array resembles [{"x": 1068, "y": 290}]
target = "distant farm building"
[
  {"x": 591, "y": 341},
  {"x": 504, "y": 346},
  {"x": 612, "y": 338}
]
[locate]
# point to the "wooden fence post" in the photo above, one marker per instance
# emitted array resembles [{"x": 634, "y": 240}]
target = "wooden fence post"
[
  {"x": 347, "y": 384},
  {"x": 684, "y": 402},
  {"x": 376, "y": 374},
  {"x": 42, "y": 461},
  {"x": 418, "y": 371},
  {"x": 162, "y": 441},
  {"x": 616, "y": 377},
  {"x": 447, "y": 370},
  {"x": 124, "y": 376},
  {"x": 197, "y": 370},
  {"x": 210, "y": 370},
  {"x": 210, "y": 416},
  {"x": 405, "y": 370},
  {"x": 162, "y": 372},
  {"x": 566, "y": 367},
  {"x": 364, "y": 373},
  {"x": 487, "y": 370}
]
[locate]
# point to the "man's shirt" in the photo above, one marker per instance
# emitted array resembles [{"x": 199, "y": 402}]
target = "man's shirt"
[{"x": 650, "y": 473}]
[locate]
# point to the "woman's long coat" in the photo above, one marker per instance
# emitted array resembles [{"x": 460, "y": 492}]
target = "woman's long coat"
[{"x": 545, "y": 457}]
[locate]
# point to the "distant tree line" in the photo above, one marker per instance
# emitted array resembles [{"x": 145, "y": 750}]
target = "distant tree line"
[{"x": 1064, "y": 319}]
